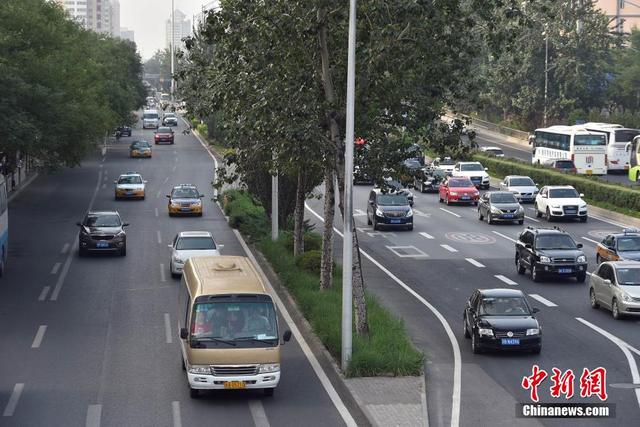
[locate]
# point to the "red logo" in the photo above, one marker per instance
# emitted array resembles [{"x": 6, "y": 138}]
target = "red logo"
[
  {"x": 592, "y": 383},
  {"x": 562, "y": 384},
  {"x": 589, "y": 159},
  {"x": 532, "y": 382}
]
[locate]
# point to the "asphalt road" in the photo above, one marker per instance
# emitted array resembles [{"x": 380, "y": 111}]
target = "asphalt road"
[
  {"x": 441, "y": 262},
  {"x": 93, "y": 341}
]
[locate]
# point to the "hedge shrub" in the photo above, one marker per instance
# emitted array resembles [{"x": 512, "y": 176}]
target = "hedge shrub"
[
  {"x": 309, "y": 261},
  {"x": 312, "y": 241},
  {"x": 245, "y": 214}
]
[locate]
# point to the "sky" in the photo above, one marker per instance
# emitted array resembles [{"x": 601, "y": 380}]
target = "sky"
[{"x": 148, "y": 17}]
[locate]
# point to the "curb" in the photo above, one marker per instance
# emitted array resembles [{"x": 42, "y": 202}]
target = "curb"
[{"x": 15, "y": 193}]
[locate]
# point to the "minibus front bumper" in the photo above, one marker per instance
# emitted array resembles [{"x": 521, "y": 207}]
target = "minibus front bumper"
[{"x": 211, "y": 382}]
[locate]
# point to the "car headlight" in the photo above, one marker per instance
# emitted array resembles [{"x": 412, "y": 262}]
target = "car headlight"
[
  {"x": 269, "y": 367},
  {"x": 533, "y": 331},
  {"x": 197, "y": 202},
  {"x": 583, "y": 207},
  {"x": 410, "y": 212},
  {"x": 453, "y": 193},
  {"x": 485, "y": 178},
  {"x": 495, "y": 210},
  {"x": 485, "y": 331},
  {"x": 200, "y": 369},
  {"x": 174, "y": 204},
  {"x": 582, "y": 258},
  {"x": 178, "y": 260},
  {"x": 379, "y": 212},
  {"x": 515, "y": 193},
  {"x": 626, "y": 297},
  {"x": 520, "y": 209},
  {"x": 555, "y": 206},
  {"x": 545, "y": 259}
]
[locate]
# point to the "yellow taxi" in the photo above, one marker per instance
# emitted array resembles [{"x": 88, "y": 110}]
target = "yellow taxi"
[
  {"x": 185, "y": 199},
  {"x": 140, "y": 149},
  {"x": 623, "y": 246},
  {"x": 130, "y": 185}
]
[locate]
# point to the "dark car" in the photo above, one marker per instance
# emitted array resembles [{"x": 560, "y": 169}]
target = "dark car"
[
  {"x": 164, "y": 134},
  {"x": 428, "y": 179},
  {"x": 500, "y": 206},
  {"x": 562, "y": 165},
  {"x": 623, "y": 246},
  {"x": 395, "y": 185},
  {"x": 102, "y": 231},
  {"x": 124, "y": 130},
  {"x": 501, "y": 319},
  {"x": 550, "y": 252},
  {"x": 389, "y": 210}
]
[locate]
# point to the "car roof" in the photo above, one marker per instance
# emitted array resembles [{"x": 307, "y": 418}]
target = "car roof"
[
  {"x": 491, "y": 148},
  {"x": 468, "y": 163},
  {"x": 626, "y": 232},
  {"x": 516, "y": 176},
  {"x": 501, "y": 292},
  {"x": 555, "y": 187},
  {"x": 184, "y": 186},
  {"x": 195, "y": 234},
  {"x": 129, "y": 174},
  {"x": 546, "y": 230},
  {"x": 490, "y": 193},
  {"x": 103, "y": 213},
  {"x": 624, "y": 264}
]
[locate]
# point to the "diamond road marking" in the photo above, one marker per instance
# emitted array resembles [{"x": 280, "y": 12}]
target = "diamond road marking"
[{"x": 407, "y": 252}]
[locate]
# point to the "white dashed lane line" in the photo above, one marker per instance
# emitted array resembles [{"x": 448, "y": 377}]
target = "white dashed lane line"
[
  {"x": 532, "y": 219},
  {"x": 55, "y": 268},
  {"x": 44, "y": 293},
  {"x": 449, "y": 248},
  {"x": 13, "y": 400},
  {"x": 177, "y": 418},
  {"x": 589, "y": 240},
  {"x": 505, "y": 280},
  {"x": 94, "y": 413},
  {"x": 39, "y": 336},
  {"x": 474, "y": 262},
  {"x": 167, "y": 328},
  {"x": 159, "y": 236},
  {"x": 543, "y": 300},
  {"x": 427, "y": 235},
  {"x": 450, "y": 213},
  {"x": 65, "y": 248},
  {"x": 163, "y": 278},
  {"x": 504, "y": 237}
]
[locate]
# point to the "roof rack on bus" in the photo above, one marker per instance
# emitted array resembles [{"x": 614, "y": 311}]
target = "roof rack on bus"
[{"x": 630, "y": 231}]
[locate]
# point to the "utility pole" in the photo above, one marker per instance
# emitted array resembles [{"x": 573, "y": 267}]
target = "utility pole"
[
  {"x": 347, "y": 243},
  {"x": 546, "y": 74},
  {"x": 274, "y": 202},
  {"x": 172, "y": 48}
]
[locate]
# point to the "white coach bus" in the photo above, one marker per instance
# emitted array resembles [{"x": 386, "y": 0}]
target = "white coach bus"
[
  {"x": 587, "y": 150},
  {"x": 619, "y": 143}
]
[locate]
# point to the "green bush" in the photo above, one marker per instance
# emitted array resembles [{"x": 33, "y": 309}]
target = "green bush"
[
  {"x": 600, "y": 193},
  {"x": 312, "y": 241},
  {"x": 202, "y": 129},
  {"x": 245, "y": 214},
  {"x": 309, "y": 261}
]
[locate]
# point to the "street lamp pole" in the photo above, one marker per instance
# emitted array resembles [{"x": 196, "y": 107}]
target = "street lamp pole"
[
  {"x": 347, "y": 246},
  {"x": 172, "y": 47},
  {"x": 546, "y": 75}
]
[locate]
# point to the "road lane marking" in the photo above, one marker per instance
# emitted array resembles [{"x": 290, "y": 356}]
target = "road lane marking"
[
  {"x": 55, "y": 268},
  {"x": 39, "y": 336},
  {"x": 158, "y": 194},
  {"x": 449, "y": 212},
  {"x": 505, "y": 280},
  {"x": 532, "y": 219},
  {"x": 167, "y": 328},
  {"x": 474, "y": 262},
  {"x": 407, "y": 251},
  {"x": 63, "y": 274},
  {"x": 157, "y": 214},
  {"x": 420, "y": 213},
  {"x": 427, "y": 235},
  {"x": 13, "y": 400},
  {"x": 174, "y": 168},
  {"x": 590, "y": 240},
  {"x": 177, "y": 418},
  {"x": 166, "y": 178},
  {"x": 457, "y": 359},
  {"x": 503, "y": 236},
  {"x": 359, "y": 212},
  {"x": 543, "y": 300},
  {"x": 257, "y": 413},
  {"x": 44, "y": 293},
  {"x": 94, "y": 412},
  {"x": 159, "y": 236},
  {"x": 104, "y": 185},
  {"x": 162, "y": 275},
  {"x": 65, "y": 248},
  {"x": 449, "y": 248},
  {"x": 625, "y": 347}
]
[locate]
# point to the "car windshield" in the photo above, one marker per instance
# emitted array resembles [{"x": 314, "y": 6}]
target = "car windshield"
[
  {"x": 108, "y": 220},
  {"x": 392, "y": 200},
  {"x": 629, "y": 243},
  {"x": 446, "y": 162},
  {"x": 234, "y": 321},
  {"x": 412, "y": 164},
  {"x": 185, "y": 193},
  {"x": 164, "y": 130},
  {"x": 504, "y": 306},
  {"x": 167, "y": 115},
  {"x": 521, "y": 182},
  {"x": 628, "y": 276},
  {"x": 563, "y": 193},
  {"x": 140, "y": 144},
  {"x": 471, "y": 167},
  {"x": 195, "y": 243},
  {"x": 555, "y": 241},
  {"x": 150, "y": 116},
  {"x": 460, "y": 183},
  {"x": 626, "y": 135},
  {"x": 590, "y": 140},
  {"x": 131, "y": 179},
  {"x": 564, "y": 164},
  {"x": 503, "y": 198}
]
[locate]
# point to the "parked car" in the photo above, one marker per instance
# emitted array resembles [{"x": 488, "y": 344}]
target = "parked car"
[
  {"x": 389, "y": 209},
  {"x": 616, "y": 286},
  {"x": 624, "y": 246},
  {"x": 500, "y": 206},
  {"x": 522, "y": 187},
  {"x": 560, "y": 201},
  {"x": 550, "y": 252},
  {"x": 458, "y": 190},
  {"x": 501, "y": 319},
  {"x": 474, "y": 171},
  {"x": 492, "y": 151},
  {"x": 562, "y": 165}
]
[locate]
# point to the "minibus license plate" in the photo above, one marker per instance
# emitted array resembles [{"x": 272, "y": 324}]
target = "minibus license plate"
[
  {"x": 234, "y": 384},
  {"x": 589, "y": 171}
]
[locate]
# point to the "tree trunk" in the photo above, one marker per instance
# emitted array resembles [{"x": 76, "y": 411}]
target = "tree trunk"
[
  {"x": 326, "y": 260},
  {"x": 360, "y": 303},
  {"x": 298, "y": 228}
]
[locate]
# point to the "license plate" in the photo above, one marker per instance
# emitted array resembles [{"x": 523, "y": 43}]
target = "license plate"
[
  {"x": 185, "y": 209},
  {"x": 465, "y": 197},
  {"x": 234, "y": 384},
  {"x": 102, "y": 244},
  {"x": 565, "y": 270},
  {"x": 507, "y": 215},
  {"x": 510, "y": 341},
  {"x": 128, "y": 193},
  {"x": 394, "y": 221}
]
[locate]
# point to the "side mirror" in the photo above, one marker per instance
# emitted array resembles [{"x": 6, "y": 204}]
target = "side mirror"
[
  {"x": 184, "y": 334},
  {"x": 168, "y": 196},
  {"x": 78, "y": 224},
  {"x": 528, "y": 246},
  {"x": 606, "y": 282},
  {"x": 202, "y": 195},
  {"x": 220, "y": 246},
  {"x": 579, "y": 245},
  {"x": 144, "y": 182},
  {"x": 286, "y": 336},
  {"x": 486, "y": 169},
  {"x": 126, "y": 224},
  {"x": 535, "y": 310},
  {"x": 171, "y": 246},
  {"x": 581, "y": 195},
  {"x": 115, "y": 181}
]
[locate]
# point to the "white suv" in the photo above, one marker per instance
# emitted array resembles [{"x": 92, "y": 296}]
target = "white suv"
[
  {"x": 474, "y": 171},
  {"x": 560, "y": 201}
]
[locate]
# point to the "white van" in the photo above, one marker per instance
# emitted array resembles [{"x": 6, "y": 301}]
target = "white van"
[{"x": 150, "y": 119}]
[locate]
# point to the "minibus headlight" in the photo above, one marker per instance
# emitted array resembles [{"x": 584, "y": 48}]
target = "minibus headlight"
[
  {"x": 269, "y": 367},
  {"x": 200, "y": 369}
]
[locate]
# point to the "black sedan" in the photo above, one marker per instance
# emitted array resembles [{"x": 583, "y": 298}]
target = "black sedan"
[
  {"x": 124, "y": 130},
  {"x": 102, "y": 231},
  {"x": 501, "y": 319}
]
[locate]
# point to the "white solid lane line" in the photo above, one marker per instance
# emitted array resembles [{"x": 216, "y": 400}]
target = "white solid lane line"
[
  {"x": 503, "y": 236},
  {"x": 167, "y": 328},
  {"x": 457, "y": 359},
  {"x": 44, "y": 293},
  {"x": 532, "y": 219},
  {"x": 543, "y": 300},
  {"x": 427, "y": 235},
  {"x": 162, "y": 275},
  {"x": 13, "y": 400},
  {"x": 449, "y": 212},
  {"x": 474, "y": 262},
  {"x": 156, "y": 211},
  {"x": 39, "y": 336},
  {"x": 505, "y": 280},
  {"x": 449, "y": 248},
  {"x": 590, "y": 240},
  {"x": 159, "y": 236},
  {"x": 177, "y": 418},
  {"x": 65, "y": 248},
  {"x": 55, "y": 268},
  {"x": 258, "y": 414},
  {"x": 625, "y": 349},
  {"x": 94, "y": 413}
]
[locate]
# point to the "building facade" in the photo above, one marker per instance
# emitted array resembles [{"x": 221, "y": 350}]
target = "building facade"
[
  {"x": 181, "y": 28},
  {"x": 102, "y": 16},
  {"x": 127, "y": 34},
  {"x": 624, "y": 13}
]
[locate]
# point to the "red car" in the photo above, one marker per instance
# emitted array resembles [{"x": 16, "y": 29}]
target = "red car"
[
  {"x": 458, "y": 190},
  {"x": 164, "y": 134}
]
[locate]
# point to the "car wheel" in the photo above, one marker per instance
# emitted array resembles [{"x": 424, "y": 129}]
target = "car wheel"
[
  {"x": 521, "y": 221},
  {"x": 269, "y": 391},
  {"x": 375, "y": 225},
  {"x": 538, "y": 213},
  {"x": 615, "y": 311},
  {"x": 123, "y": 251},
  {"x": 194, "y": 393},
  {"x": 439, "y": 199},
  {"x": 475, "y": 345},
  {"x": 548, "y": 215},
  {"x": 537, "y": 350},
  {"x": 535, "y": 276},
  {"x": 592, "y": 299},
  {"x": 464, "y": 326},
  {"x": 480, "y": 216},
  {"x": 446, "y": 201},
  {"x": 410, "y": 228},
  {"x": 368, "y": 220},
  {"x": 184, "y": 368},
  {"x": 581, "y": 277},
  {"x": 583, "y": 219},
  {"x": 521, "y": 268},
  {"x": 489, "y": 220},
  {"x": 598, "y": 259}
]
